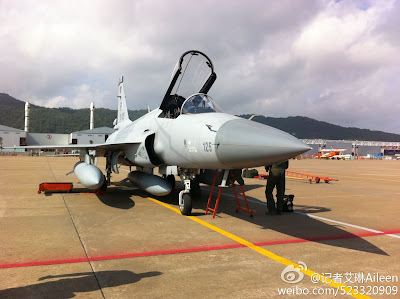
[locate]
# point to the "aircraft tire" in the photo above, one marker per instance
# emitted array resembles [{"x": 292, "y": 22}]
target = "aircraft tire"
[{"x": 186, "y": 208}]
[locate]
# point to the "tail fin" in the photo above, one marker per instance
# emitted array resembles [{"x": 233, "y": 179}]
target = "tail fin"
[{"x": 123, "y": 117}]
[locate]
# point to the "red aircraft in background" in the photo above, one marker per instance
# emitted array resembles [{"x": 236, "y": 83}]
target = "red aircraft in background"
[{"x": 333, "y": 154}]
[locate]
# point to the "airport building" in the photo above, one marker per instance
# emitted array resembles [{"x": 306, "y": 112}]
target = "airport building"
[
  {"x": 11, "y": 137},
  {"x": 14, "y": 138},
  {"x": 94, "y": 136},
  {"x": 46, "y": 139},
  {"x": 391, "y": 151}
]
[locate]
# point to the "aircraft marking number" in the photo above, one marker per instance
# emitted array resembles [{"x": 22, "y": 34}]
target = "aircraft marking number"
[{"x": 207, "y": 147}]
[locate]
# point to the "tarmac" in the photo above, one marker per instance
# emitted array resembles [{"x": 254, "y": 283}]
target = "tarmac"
[{"x": 344, "y": 237}]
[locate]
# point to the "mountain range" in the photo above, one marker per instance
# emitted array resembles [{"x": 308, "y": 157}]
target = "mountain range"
[{"x": 67, "y": 120}]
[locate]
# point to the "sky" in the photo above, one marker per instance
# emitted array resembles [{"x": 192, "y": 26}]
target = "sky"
[{"x": 334, "y": 61}]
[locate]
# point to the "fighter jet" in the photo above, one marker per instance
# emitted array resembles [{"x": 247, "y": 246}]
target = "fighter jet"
[{"x": 186, "y": 134}]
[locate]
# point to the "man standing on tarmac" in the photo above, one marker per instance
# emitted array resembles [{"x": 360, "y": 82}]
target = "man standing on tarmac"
[{"x": 276, "y": 178}]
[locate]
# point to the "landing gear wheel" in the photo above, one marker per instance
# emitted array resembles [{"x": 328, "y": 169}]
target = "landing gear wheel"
[
  {"x": 186, "y": 207},
  {"x": 317, "y": 180}
]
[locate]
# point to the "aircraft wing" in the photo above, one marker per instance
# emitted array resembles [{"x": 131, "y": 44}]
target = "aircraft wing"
[
  {"x": 100, "y": 148},
  {"x": 62, "y": 146}
]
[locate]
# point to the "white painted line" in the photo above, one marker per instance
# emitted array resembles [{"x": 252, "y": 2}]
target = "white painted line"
[
  {"x": 323, "y": 218},
  {"x": 348, "y": 224},
  {"x": 339, "y": 222}
]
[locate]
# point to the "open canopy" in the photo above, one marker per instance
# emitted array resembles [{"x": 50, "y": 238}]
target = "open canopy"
[{"x": 193, "y": 73}]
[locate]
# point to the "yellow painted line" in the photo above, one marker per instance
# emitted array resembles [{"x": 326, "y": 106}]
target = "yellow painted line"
[{"x": 349, "y": 290}]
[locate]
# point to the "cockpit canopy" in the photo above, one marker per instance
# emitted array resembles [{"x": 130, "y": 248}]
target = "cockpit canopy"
[
  {"x": 193, "y": 74},
  {"x": 199, "y": 103}
]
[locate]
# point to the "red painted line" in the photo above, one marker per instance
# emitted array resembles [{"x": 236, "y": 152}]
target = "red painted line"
[
  {"x": 189, "y": 250},
  {"x": 121, "y": 256},
  {"x": 166, "y": 252},
  {"x": 29, "y": 264}
]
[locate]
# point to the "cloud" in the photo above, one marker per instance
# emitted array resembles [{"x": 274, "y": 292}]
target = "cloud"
[
  {"x": 334, "y": 61},
  {"x": 81, "y": 97}
]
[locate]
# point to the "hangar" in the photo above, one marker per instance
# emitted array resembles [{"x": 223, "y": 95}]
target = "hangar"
[
  {"x": 95, "y": 136},
  {"x": 391, "y": 150},
  {"x": 12, "y": 137},
  {"x": 46, "y": 139}
]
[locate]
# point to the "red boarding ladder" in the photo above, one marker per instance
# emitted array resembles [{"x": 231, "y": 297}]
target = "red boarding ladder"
[
  {"x": 223, "y": 185},
  {"x": 243, "y": 196}
]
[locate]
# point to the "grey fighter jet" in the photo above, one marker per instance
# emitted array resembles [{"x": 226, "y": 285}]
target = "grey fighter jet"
[{"x": 187, "y": 133}]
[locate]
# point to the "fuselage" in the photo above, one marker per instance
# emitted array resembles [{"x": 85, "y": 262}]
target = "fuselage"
[{"x": 204, "y": 141}]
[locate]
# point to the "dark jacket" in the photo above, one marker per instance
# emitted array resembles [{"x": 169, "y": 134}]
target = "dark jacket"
[{"x": 278, "y": 169}]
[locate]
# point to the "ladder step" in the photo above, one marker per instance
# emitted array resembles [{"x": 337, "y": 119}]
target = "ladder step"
[{"x": 238, "y": 195}]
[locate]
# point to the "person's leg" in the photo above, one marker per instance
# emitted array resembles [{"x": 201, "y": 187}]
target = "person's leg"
[
  {"x": 268, "y": 193},
  {"x": 280, "y": 192}
]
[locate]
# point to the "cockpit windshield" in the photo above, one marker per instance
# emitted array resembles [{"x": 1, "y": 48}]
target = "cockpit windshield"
[{"x": 199, "y": 103}]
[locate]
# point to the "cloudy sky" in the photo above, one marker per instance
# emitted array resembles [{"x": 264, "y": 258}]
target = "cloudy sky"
[{"x": 336, "y": 61}]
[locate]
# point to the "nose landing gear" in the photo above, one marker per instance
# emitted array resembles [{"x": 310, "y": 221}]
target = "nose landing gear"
[{"x": 185, "y": 197}]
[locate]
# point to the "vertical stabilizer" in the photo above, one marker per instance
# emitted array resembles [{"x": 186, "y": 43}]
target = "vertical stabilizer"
[{"x": 123, "y": 117}]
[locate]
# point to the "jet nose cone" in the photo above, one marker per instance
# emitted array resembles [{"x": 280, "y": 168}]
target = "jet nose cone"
[{"x": 242, "y": 143}]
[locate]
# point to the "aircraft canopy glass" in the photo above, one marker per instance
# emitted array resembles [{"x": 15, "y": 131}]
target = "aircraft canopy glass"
[
  {"x": 199, "y": 103},
  {"x": 195, "y": 70},
  {"x": 194, "y": 73}
]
